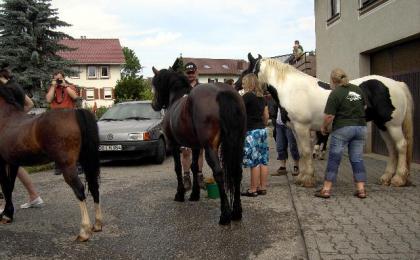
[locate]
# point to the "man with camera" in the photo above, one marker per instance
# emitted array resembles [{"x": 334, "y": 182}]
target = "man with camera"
[{"x": 61, "y": 94}]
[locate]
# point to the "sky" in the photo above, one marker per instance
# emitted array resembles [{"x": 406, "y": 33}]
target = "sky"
[{"x": 160, "y": 30}]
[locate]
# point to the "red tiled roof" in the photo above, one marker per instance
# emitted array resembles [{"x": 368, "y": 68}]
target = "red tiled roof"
[
  {"x": 207, "y": 66},
  {"x": 94, "y": 51}
]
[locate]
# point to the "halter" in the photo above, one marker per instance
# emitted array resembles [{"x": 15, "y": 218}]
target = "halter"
[{"x": 256, "y": 67}]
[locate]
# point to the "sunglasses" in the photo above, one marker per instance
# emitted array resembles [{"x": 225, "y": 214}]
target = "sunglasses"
[{"x": 190, "y": 72}]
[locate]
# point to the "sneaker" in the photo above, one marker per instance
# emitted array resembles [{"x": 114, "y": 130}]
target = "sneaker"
[
  {"x": 201, "y": 183},
  {"x": 187, "y": 181},
  {"x": 36, "y": 203}
]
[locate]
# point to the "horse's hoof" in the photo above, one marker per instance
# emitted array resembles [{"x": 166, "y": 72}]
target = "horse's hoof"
[
  {"x": 224, "y": 220},
  {"x": 385, "y": 180},
  {"x": 97, "y": 228},
  {"x": 305, "y": 181},
  {"x": 194, "y": 197},
  {"x": 237, "y": 215},
  {"x": 81, "y": 238},
  {"x": 179, "y": 197},
  {"x": 397, "y": 181}
]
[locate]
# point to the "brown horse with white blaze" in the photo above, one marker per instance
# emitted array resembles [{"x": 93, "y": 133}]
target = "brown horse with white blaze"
[{"x": 62, "y": 136}]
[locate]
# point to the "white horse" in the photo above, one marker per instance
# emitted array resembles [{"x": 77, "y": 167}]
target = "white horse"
[{"x": 303, "y": 100}]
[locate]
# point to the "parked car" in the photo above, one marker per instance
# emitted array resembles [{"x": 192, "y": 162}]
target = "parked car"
[{"x": 132, "y": 130}]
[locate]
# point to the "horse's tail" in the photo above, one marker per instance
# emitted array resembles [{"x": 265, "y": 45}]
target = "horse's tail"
[
  {"x": 89, "y": 154},
  {"x": 407, "y": 125},
  {"x": 233, "y": 128}
]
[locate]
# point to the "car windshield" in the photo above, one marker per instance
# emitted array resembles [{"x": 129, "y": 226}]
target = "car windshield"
[{"x": 130, "y": 111}]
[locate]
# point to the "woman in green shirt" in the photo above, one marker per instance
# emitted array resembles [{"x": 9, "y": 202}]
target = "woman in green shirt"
[{"x": 345, "y": 108}]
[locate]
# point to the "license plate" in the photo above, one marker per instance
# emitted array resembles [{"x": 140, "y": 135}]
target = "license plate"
[{"x": 116, "y": 147}]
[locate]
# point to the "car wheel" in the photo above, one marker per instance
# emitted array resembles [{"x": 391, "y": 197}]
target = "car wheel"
[{"x": 160, "y": 151}]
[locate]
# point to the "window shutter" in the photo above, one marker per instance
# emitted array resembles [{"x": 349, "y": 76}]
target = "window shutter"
[
  {"x": 96, "y": 91},
  {"x": 101, "y": 93},
  {"x": 83, "y": 93}
]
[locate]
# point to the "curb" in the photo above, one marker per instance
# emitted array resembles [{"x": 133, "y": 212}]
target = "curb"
[{"x": 311, "y": 247}]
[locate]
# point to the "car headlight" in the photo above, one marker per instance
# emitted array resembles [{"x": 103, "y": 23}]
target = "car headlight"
[{"x": 143, "y": 136}]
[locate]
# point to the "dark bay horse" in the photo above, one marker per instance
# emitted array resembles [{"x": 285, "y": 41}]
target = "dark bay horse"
[
  {"x": 62, "y": 136},
  {"x": 208, "y": 116}
]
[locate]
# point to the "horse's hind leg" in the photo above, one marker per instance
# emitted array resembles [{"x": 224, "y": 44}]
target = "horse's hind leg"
[
  {"x": 7, "y": 180},
  {"x": 391, "y": 165},
  {"x": 195, "y": 194},
  {"x": 94, "y": 190},
  {"x": 213, "y": 161},
  {"x": 72, "y": 179},
  {"x": 180, "y": 191},
  {"x": 401, "y": 176},
  {"x": 237, "y": 206}
]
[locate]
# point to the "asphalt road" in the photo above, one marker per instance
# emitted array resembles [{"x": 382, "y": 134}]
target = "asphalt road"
[{"x": 141, "y": 220}]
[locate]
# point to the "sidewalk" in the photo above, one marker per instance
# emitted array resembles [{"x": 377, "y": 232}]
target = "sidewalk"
[{"x": 386, "y": 225}]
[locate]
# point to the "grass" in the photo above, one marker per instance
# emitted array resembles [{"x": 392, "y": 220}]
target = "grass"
[{"x": 40, "y": 168}]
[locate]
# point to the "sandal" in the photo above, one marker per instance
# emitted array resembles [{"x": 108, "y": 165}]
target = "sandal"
[
  {"x": 361, "y": 194},
  {"x": 325, "y": 194},
  {"x": 249, "y": 193},
  {"x": 262, "y": 192}
]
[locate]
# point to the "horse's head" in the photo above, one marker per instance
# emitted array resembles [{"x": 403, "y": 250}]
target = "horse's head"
[
  {"x": 160, "y": 91},
  {"x": 252, "y": 68},
  {"x": 168, "y": 86}
]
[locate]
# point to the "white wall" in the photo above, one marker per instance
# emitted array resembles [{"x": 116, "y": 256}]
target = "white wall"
[
  {"x": 98, "y": 83},
  {"x": 341, "y": 43}
]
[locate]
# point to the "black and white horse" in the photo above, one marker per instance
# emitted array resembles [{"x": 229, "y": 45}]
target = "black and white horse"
[{"x": 302, "y": 99}]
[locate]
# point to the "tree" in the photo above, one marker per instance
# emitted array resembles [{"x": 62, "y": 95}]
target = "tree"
[
  {"x": 29, "y": 41},
  {"x": 132, "y": 86},
  {"x": 132, "y": 64}
]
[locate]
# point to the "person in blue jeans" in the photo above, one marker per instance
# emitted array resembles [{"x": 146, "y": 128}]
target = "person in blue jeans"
[
  {"x": 285, "y": 139},
  {"x": 345, "y": 108}
]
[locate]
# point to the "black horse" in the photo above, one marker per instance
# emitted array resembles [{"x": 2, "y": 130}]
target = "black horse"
[{"x": 209, "y": 116}]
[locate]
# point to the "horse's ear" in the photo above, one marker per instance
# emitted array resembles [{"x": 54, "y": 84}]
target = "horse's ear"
[
  {"x": 155, "y": 71},
  {"x": 259, "y": 56},
  {"x": 250, "y": 57}
]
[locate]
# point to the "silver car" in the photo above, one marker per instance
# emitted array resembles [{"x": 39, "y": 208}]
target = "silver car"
[{"x": 132, "y": 130}]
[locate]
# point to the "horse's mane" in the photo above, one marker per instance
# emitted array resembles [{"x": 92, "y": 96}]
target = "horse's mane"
[
  {"x": 282, "y": 69},
  {"x": 8, "y": 94},
  {"x": 171, "y": 81}
]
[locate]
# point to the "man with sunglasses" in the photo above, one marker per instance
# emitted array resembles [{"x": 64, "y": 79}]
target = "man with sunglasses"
[{"x": 186, "y": 153}]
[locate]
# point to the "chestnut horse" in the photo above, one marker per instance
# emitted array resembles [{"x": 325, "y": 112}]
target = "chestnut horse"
[
  {"x": 210, "y": 117},
  {"x": 64, "y": 136}
]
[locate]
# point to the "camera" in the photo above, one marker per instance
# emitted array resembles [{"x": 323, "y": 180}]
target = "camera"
[{"x": 59, "y": 81}]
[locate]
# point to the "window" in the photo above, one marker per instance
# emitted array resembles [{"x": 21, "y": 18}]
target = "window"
[
  {"x": 367, "y": 5},
  {"x": 91, "y": 72},
  {"x": 210, "y": 80},
  {"x": 90, "y": 94},
  {"x": 334, "y": 11},
  {"x": 104, "y": 71},
  {"x": 75, "y": 72},
  {"x": 107, "y": 93}
]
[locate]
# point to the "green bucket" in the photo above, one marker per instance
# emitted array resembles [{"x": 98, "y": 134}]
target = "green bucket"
[{"x": 213, "y": 191}]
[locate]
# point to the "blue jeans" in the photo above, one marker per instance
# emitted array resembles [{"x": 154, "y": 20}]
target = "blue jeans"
[
  {"x": 354, "y": 138},
  {"x": 284, "y": 139}
]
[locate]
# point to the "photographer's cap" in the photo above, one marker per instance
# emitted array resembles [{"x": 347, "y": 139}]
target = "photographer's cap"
[{"x": 190, "y": 66}]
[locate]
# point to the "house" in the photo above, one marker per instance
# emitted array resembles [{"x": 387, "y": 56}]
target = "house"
[
  {"x": 217, "y": 70},
  {"x": 98, "y": 64},
  {"x": 371, "y": 37}
]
